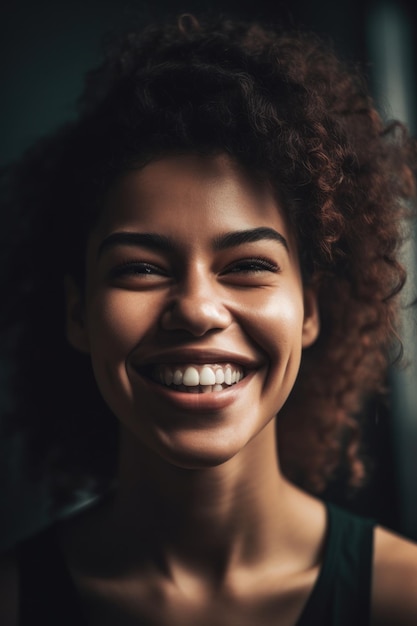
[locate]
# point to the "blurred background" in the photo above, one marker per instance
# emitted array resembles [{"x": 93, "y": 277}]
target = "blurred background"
[{"x": 46, "y": 48}]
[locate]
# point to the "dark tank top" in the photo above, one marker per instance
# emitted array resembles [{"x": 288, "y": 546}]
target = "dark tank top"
[{"x": 340, "y": 596}]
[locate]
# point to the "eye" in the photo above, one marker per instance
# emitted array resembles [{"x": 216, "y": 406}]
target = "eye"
[
  {"x": 252, "y": 265},
  {"x": 136, "y": 269}
]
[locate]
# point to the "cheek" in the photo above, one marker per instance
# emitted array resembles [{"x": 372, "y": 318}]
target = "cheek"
[
  {"x": 275, "y": 323},
  {"x": 118, "y": 320}
]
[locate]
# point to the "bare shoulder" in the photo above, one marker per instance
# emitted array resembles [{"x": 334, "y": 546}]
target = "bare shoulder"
[
  {"x": 8, "y": 589},
  {"x": 394, "y": 593}
]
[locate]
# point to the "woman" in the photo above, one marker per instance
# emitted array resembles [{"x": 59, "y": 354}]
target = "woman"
[{"x": 226, "y": 214}]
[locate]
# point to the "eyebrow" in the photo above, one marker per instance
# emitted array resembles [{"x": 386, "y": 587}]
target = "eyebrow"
[
  {"x": 237, "y": 238},
  {"x": 162, "y": 243}
]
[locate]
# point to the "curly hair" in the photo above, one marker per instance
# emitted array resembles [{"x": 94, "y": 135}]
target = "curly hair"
[{"x": 288, "y": 110}]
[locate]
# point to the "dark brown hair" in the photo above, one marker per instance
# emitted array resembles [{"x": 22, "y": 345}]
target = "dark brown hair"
[{"x": 289, "y": 111}]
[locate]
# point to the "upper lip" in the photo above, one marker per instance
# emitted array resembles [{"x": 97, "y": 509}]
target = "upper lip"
[{"x": 196, "y": 356}]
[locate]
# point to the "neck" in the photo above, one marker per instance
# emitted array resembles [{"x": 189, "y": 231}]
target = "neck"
[{"x": 221, "y": 513}]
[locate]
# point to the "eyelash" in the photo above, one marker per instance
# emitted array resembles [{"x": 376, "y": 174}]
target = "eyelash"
[
  {"x": 131, "y": 268},
  {"x": 256, "y": 264},
  {"x": 245, "y": 266}
]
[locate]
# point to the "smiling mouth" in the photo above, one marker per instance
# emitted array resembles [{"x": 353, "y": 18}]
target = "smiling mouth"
[{"x": 190, "y": 378}]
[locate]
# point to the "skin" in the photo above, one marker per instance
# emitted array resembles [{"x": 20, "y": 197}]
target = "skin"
[
  {"x": 203, "y": 527},
  {"x": 194, "y": 298}
]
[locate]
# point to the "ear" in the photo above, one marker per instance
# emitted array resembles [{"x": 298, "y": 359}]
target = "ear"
[
  {"x": 311, "y": 323},
  {"x": 76, "y": 329}
]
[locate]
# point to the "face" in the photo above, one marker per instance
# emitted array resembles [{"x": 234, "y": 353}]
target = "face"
[{"x": 194, "y": 311}]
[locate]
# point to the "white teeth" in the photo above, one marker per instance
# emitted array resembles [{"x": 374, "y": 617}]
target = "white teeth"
[
  {"x": 219, "y": 377},
  {"x": 191, "y": 377},
  {"x": 178, "y": 377},
  {"x": 168, "y": 376},
  {"x": 198, "y": 378},
  {"x": 207, "y": 376}
]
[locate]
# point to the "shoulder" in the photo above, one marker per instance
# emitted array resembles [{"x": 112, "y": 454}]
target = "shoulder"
[
  {"x": 8, "y": 589},
  {"x": 394, "y": 588}
]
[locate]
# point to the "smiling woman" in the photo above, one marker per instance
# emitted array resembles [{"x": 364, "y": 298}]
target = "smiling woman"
[
  {"x": 192, "y": 269},
  {"x": 208, "y": 281}
]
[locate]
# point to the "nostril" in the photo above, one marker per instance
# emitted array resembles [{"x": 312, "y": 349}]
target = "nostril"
[{"x": 197, "y": 316}]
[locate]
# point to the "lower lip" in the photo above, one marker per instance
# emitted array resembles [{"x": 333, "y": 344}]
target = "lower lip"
[{"x": 202, "y": 402}]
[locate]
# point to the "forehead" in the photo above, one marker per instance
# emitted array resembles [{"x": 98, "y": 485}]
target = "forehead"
[{"x": 190, "y": 197}]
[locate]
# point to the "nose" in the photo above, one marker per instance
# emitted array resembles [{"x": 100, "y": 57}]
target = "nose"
[{"x": 197, "y": 307}]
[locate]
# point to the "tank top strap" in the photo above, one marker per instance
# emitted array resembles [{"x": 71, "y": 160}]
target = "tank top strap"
[
  {"x": 47, "y": 593},
  {"x": 342, "y": 593}
]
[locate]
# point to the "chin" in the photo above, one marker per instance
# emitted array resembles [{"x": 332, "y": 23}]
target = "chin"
[{"x": 195, "y": 451}]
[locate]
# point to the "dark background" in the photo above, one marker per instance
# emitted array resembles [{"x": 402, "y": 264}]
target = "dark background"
[{"x": 46, "y": 48}]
